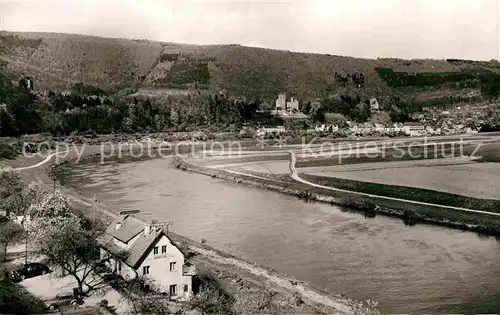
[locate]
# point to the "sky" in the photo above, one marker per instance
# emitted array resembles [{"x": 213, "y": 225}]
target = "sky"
[{"x": 466, "y": 29}]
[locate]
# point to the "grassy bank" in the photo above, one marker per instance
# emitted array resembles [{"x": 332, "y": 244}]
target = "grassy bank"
[{"x": 410, "y": 193}]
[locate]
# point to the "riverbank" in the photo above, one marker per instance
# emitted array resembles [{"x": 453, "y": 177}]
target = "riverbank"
[
  {"x": 256, "y": 289},
  {"x": 410, "y": 213}
]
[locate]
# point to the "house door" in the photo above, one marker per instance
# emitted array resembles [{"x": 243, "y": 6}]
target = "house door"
[{"x": 173, "y": 290}]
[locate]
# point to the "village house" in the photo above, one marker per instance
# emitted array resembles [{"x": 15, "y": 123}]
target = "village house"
[
  {"x": 326, "y": 128},
  {"x": 281, "y": 102},
  {"x": 320, "y": 128},
  {"x": 292, "y": 105},
  {"x": 265, "y": 130},
  {"x": 413, "y": 129},
  {"x": 374, "y": 106},
  {"x": 143, "y": 250},
  {"x": 394, "y": 128},
  {"x": 366, "y": 128},
  {"x": 379, "y": 128},
  {"x": 354, "y": 128}
]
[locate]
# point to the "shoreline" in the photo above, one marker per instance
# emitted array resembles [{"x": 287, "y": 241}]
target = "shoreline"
[
  {"x": 370, "y": 206},
  {"x": 256, "y": 280}
]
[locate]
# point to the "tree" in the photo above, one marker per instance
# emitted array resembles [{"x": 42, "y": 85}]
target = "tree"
[
  {"x": 15, "y": 299},
  {"x": 51, "y": 206},
  {"x": 74, "y": 250},
  {"x": 317, "y": 112},
  {"x": 61, "y": 237},
  {"x": 358, "y": 78},
  {"x": 11, "y": 189},
  {"x": 361, "y": 113},
  {"x": 9, "y": 232}
]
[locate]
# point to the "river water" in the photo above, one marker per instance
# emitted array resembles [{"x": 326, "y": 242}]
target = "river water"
[{"x": 408, "y": 269}]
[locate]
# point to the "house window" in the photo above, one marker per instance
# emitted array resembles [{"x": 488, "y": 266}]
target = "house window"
[
  {"x": 172, "y": 266},
  {"x": 155, "y": 250},
  {"x": 164, "y": 249},
  {"x": 119, "y": 266},
  {"x": 173, "y": 289},
  {"x": 185, "y": 288},
  {"x": 145, "y": 270}
]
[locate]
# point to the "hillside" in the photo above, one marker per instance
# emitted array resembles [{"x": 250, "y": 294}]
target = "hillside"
[{"x": 56, "y": 60}]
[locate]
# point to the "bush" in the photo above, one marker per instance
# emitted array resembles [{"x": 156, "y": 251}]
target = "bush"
[
  {"x": 213, "y": 298},
  {"x": 14, "y": 299}
]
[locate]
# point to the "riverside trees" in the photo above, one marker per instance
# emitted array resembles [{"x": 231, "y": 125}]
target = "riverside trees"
[
  {"x": 66, "y": 240},
  {"x": 57, "y": 232}
]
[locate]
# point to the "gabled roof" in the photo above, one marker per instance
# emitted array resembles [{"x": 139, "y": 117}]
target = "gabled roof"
[
  {"x": 130, "y": 228},
  {"x": 137, "y": 252},
  {"x": 140, "y": 248}
]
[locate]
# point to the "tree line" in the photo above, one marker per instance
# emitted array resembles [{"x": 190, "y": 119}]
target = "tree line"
[{"x": 85, "y": 108}]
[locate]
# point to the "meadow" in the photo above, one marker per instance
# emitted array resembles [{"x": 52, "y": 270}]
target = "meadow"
[{"x": 478, "y": 180}]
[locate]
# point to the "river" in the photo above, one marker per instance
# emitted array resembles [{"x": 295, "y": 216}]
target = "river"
[{"x": 408, "y": 269}]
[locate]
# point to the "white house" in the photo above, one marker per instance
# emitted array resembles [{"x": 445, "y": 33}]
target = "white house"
[
  {"x": 413, "y": 129},
  {"x": 264, "y": 130},
  {"x": 284, "y": 105},
  {"x": 292, "y": 105},
  {"x": 320, "y": 128},
  {"x": 334, "y": 128},
  {"x": 281, "y": 101},
  {"x": 379, "y": 128},
  {"x": 141, "y": 250},
  {"x": 374, "y": 105}
]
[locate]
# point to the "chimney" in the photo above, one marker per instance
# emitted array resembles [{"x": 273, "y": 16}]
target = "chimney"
[
  {"x": 147, "y": 230},
  {"x": 120, "y": 221}
]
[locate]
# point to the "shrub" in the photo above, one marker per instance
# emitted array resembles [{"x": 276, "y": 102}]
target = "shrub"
[
  {"x": 14, "y": 299},
  {"x": 213, "y": 298}
]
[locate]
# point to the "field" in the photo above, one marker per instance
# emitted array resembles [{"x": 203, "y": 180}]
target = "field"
[{"x": 479, "y": 180}]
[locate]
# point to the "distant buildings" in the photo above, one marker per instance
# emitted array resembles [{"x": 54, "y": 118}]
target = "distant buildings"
[
  {"x": 284, "y": 105},
  {"x": 326, "y": 128},
  {"x": 292, "y": 105},
  {"x": 413, "y": 129},
  {"x": 263, "y": 131}
]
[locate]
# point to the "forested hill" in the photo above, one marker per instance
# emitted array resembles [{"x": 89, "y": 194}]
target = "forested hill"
[{"x": 56, "y": 61}]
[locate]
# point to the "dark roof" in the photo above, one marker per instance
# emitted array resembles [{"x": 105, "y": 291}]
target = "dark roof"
[
  {"x": 139, "y": 249},
  {"x": 129, "y": 229},
  {"x": 137, "y": 252}
]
